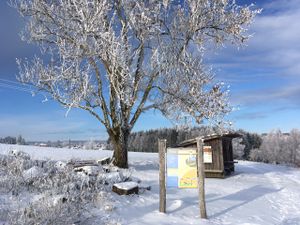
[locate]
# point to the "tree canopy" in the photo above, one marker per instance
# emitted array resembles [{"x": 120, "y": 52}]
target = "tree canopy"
[{"x": 119, "y": 58}]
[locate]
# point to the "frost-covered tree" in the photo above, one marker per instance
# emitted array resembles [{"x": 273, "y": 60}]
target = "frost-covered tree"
[
  {"x": 250, "y": 141},
  {"x": 90, "y": 145},
  {"x": 238, "y": 148},
  {"x": 119, "y": 58},
  {"x": 278, "y": 147},
  {"x": 20, "y": 140},
  {"x": 294, "y": 146}
]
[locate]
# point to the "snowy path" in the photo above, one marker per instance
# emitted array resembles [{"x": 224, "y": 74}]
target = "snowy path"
[{"x": 256, "y": 194}]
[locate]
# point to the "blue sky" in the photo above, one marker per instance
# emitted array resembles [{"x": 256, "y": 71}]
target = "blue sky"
[{"x": 264, "y": 79}]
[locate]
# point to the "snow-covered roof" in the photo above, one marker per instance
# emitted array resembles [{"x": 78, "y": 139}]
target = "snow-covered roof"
[{"x": 209, "y": 137}]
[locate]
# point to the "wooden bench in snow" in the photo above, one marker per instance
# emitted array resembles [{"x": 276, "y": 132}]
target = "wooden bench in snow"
[
  {"x": 126, "y": 188},
  {"x": 104, "y": 161},
  {"x": 80, "y": 163}
]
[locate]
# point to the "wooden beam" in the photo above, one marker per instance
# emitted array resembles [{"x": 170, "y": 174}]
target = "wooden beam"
[
  {"x": 201, "y": 175},
  {"x": 162, "y": 144}
]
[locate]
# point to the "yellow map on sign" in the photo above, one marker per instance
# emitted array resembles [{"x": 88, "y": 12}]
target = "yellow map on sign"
[{"x": 187, "y": 171}]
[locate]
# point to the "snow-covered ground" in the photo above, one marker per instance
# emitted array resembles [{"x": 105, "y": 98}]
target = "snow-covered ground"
[
  {"x": 67, "y": 154},
  {"x": 256, "y": 194}
]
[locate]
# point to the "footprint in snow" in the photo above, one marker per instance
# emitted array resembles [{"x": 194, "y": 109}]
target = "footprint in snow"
[{"x": 176, "y": 204}]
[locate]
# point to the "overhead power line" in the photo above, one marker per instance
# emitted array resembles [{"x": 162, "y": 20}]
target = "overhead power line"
[
  {"x": 4, "y": 83},
  {"x": 15, "y": 87},
  {"x": 11, "y": 81}
]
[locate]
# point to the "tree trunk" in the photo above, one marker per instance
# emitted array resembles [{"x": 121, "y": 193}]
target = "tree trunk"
[{"x": 119, "y": 141}]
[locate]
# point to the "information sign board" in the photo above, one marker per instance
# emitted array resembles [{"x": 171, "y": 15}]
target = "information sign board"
[{"x": 182, "y": 167}]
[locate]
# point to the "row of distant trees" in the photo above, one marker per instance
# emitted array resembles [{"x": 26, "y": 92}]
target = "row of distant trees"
[
  {"x": 274, "y": 147},
  {"x": 13, "y": 140},
  {"x": 279, "y": 148},
  {"x": 242, "y": 147},
  {"x": 146, "y": 141}
]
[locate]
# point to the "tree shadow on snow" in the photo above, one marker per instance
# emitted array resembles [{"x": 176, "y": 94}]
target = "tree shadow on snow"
[
  {"x": 243, "y": 197},
  {"x": 291, "y": 221},
  {"x": 263, "y": 168},
  {"x": 144, "y": 165}
]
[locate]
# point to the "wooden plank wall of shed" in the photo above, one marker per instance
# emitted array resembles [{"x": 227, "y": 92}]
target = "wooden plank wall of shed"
[
  {"x": 227, "y": 152},
  {"x": 225, "y": 144},
  {"x": 217, "y": 163}
]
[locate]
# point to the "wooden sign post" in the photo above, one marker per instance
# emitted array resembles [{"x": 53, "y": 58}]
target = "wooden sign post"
[
  {"x": 162, "y": 145},
  {"x": 201, "y": 175}
]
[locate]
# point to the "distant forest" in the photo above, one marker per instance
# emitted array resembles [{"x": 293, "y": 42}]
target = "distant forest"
[
  {"x": 13, "y": 140},
  {"x": 275, "y": 147},
  {"x": 146, "y": 141}
]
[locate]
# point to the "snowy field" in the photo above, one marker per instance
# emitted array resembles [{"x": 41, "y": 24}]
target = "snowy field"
[{"x": 256, "y": 194}]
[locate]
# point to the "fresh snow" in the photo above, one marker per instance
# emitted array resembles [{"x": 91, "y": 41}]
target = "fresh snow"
[
  {"x": 256, "y": 194},
  {"x": 45, "y": 153}
]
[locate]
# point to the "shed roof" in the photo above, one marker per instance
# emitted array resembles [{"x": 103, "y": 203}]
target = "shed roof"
[{"x": 209, "y": 137}]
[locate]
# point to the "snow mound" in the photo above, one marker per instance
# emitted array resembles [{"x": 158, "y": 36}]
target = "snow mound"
[
  {"x": 112, "y": 177},
  {"x": 33, "y": 172},
  {"x": 60, "y": 165},
  {"x": 89, "y": 170}
]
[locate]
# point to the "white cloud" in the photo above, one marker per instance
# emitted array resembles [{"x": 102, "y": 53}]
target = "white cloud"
[
  {"x": 286, "y": 95},
  {"x": 267, "y": 71}
]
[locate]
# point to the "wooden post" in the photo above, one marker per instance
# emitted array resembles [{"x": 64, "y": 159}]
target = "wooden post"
[
  {"x": 162, "y": 144},
  {"x": 201, "y": 176}
]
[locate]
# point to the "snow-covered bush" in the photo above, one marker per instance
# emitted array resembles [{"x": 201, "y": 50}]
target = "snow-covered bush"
[
  {"x": 12, "y": 167},
  {"x": 61, "y": 195},
  {"x": 19, "y": 154},
  {"x": 47, "y": 210}
]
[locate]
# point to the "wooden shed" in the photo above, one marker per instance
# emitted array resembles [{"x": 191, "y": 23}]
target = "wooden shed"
[{"x": 218, "y": 154}]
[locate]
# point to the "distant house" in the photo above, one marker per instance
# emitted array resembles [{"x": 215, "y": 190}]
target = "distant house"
[{"x": 43, "y": 145}]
